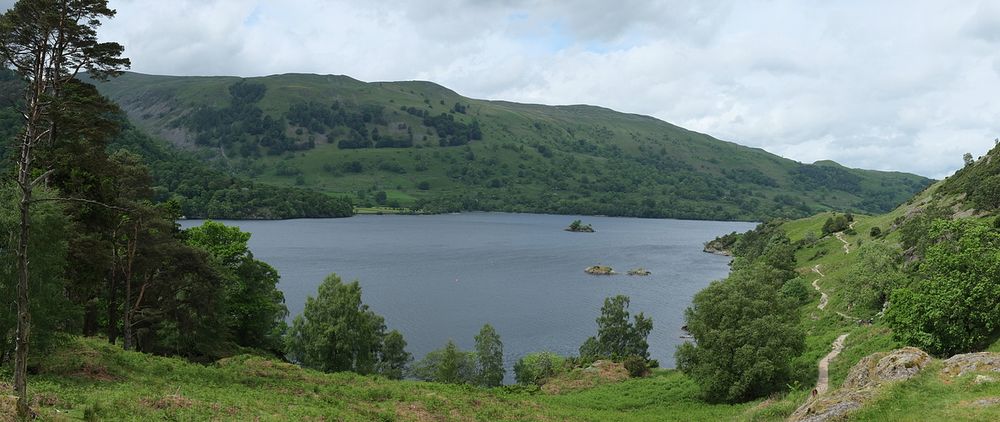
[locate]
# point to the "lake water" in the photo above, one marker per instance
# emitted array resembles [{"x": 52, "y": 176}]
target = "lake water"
[{"x": 440, "y": 277}]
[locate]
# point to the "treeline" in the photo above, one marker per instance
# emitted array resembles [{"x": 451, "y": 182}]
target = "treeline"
[
  {"x": 450, "y": 131},
  {"x": 203, "y": 192},
  {"x": 243, "y": 129}
]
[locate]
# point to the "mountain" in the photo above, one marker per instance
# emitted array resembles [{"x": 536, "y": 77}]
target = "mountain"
[{"x": 422, "y": 146}]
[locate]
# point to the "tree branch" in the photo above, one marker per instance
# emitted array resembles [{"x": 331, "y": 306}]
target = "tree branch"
[
  {"x": 86, "y": 201},
  {"x": 42, "y": 177}
]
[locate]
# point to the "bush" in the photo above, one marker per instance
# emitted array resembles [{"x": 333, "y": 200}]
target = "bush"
[
  {"x": 536, "y": 368},
  {"x": 875, "y": 232},
  {"x": 874, "y": 277},
  {"x": 798, "y": 290},
  {"x": 448, "y": 365},
  {"x": 636, "y": 366},
  {"x": 424, "y": 185},
  {"x": 835, "y": 224}
]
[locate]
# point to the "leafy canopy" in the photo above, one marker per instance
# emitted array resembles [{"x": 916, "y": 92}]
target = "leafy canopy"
[
  {"x": 617, "y": 337},
  {"x": 953, "y": 305},
  {"x": 337, "y": 332}
]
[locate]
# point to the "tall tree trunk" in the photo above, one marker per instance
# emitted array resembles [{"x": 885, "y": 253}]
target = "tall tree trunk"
[
  {"x": 128, "y": 307},
  {"x": 40, "y": 41},
  {"x": 23, "y": 335},
  {"x": 112, "y": 283},
  {"x": 112, "y": 328},
  {"x": 90, "y": 312},
  {"x": 127, "y": 317},
  {"x": 23, "y": 313}
]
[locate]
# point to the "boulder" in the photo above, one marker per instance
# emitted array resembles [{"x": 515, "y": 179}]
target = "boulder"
[
  {"x": 959, "y": 365},
  {"x": 862, "y": 383},
  {"x": 983, "y": 379},
  {"x": 879, "y": 368}
]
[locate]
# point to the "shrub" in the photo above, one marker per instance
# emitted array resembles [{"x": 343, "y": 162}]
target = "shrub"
[
  {"x": 448, "y": 365},
  {"x": 636, "y": 366},
  {"x": 875, "y": 232},
  {"x": 798, "y": 290},
  {"x": 536, "y": 368}
]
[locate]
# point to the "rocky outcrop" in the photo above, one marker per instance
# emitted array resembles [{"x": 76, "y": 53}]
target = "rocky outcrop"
[
  {"x": 715, "y": 248},
  {"x": 959, "y": 365},
  {"x": 600, "y": 270},
  {"x": 578, "y": 227},
  {"x": 881, "y": 368},
  {"x": 863, "y": 382},
  {"x": 639, "y": 272}
]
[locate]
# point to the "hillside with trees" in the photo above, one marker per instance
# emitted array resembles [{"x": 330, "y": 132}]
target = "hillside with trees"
[{"x": 420, "y": 146}]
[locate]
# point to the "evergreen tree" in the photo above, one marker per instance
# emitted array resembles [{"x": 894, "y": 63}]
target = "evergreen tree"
[{"x": 46, "y": 42}]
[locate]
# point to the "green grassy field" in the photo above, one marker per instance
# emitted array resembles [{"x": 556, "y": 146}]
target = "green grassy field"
[{"x": 88, "y": 379}]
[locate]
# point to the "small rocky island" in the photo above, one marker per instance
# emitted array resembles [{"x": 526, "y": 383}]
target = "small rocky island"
[
  {"x": 600, "y": 270},
  {"x": 642, "y": 272},
  {"x": 579, "y": 227}
]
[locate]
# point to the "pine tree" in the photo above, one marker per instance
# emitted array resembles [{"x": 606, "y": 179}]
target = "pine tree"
[{"x": 47, "y": 42}]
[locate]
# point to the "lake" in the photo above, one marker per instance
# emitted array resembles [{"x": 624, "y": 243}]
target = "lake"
[{"x": 440, "y": 277}]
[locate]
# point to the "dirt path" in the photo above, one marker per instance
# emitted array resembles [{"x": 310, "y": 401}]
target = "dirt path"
[
  {"x": 840, "y": 237},
  {"x": 823, "y": 382},
  {"x": 823, "y": 298}
]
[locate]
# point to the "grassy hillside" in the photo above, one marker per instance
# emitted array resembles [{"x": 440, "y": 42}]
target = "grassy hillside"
[
  {"x": 420, "y": 145},
  {"x": 88, "y": 379}
]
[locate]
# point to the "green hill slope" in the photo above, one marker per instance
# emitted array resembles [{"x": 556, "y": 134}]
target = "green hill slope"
[
  {"x": 88, "y": 379},
  {"x": 420, "y": 145}
]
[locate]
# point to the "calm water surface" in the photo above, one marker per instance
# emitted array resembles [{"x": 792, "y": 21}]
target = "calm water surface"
[{"x": 441, "y": 277}]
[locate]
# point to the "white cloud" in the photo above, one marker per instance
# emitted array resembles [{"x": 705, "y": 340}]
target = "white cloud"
[{"x": 886, "y": 85}]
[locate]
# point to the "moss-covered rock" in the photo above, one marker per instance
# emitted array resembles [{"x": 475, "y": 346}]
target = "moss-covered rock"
[
  {"x": 600, "y": 270},
  {"x": 863, "y": 382}
]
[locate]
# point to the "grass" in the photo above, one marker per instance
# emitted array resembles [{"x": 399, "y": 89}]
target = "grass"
[
  {"x": 88, "y": 378},
  {"x": 932, "y": 397}
]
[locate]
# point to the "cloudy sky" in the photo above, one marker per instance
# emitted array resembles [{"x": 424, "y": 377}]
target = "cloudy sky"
[{"x": 908, "y": 85}]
